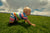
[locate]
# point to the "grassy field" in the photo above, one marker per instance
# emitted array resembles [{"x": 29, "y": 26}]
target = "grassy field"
[{"x": 42, "y": 25}]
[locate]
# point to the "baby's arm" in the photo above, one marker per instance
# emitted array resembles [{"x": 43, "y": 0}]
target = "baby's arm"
[{"x": 29, "y": 22}]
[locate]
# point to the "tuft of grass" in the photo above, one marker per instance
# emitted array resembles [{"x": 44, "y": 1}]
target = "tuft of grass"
[{"x": 42, "y": 25}]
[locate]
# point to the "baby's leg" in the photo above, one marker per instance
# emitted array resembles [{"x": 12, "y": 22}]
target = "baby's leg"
[
  {"x": 12, "y": 18},
  {"x": 15, "y": 21}
]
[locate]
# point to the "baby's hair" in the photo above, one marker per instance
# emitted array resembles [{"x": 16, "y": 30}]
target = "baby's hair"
[{"x": 27, "y": 8}]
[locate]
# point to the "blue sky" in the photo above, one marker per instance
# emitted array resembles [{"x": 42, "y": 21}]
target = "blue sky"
[{"x": 1, "y": 3}]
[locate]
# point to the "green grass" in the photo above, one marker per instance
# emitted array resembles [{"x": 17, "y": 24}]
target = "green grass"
[{"x": 42, "y": 25}]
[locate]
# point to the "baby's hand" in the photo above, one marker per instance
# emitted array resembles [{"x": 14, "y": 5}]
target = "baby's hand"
[{"x": 33, "y": 25}]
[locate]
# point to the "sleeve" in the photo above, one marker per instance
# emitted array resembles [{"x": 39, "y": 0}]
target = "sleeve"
[{"x": 25, "y": 17}]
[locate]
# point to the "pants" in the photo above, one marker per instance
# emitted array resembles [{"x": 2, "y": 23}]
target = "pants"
[{"x": 12, "y": 18}]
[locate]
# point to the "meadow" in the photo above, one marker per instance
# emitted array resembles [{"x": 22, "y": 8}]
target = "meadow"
[{"x": 42, "y": 24}]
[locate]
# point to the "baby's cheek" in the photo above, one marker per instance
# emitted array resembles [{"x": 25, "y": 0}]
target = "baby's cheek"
[{"x": 28, "y": 13}]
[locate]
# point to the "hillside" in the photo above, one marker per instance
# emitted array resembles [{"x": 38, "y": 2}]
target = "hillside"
[{"x": 42, "y": 25}]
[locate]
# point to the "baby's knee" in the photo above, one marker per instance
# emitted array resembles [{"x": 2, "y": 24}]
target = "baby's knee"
[{"x": 11, "y": 22}]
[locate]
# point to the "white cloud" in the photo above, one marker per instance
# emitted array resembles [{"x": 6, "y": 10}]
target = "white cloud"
[
  {"x": 20, "y": 10},
  {"x": 3, "y": 1},
  {"x": 48, "y": 0},
  {"x": 5, "y": 4},
  {"x": 34, "y": 4},
  {"x": 41, "y": 13},
  {"x": 31, "y": 3}
]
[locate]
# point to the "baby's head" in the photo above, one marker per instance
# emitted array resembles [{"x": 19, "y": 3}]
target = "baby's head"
[{"x": 27, "y": 10}]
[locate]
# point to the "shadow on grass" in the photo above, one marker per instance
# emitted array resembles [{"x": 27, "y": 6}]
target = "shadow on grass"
[{"x": 19, "y": 23}]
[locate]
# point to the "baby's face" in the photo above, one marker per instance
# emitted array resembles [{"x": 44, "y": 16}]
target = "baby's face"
[{"x": 27, "y": 12}]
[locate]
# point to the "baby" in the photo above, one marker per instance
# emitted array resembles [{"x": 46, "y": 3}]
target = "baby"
[{"x": 18, "y": 16}]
